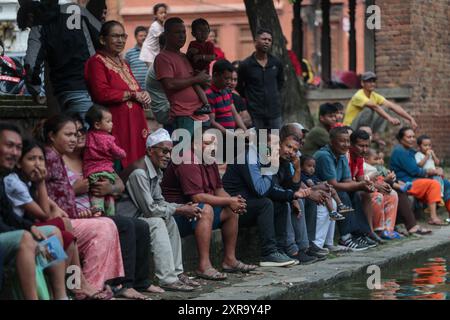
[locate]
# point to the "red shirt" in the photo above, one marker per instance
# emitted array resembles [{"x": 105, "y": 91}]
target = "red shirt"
[
  {"x": 295, "y": 63},
  {"x": 206, "y": 48},
  {"x": 183, "y": 181},
  {"x": 182, "y": 102},
  {"x": 356, "y": 165}
]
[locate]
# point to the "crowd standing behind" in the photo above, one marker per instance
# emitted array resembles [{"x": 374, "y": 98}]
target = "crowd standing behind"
[{"x": 107, "y": 189}]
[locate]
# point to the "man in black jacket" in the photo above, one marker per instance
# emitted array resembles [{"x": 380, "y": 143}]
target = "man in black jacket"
[
  {"x": 64, "y": 36},
  {"x": 260, "y": 79},
  {"x": 258, "y": 189},
  {"x": 18, "y": 237}
]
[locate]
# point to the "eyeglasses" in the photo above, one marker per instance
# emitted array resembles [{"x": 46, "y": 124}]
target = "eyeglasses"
[
  {"x": 164, "y": 150},
  {"x": 116, "y": 36}
]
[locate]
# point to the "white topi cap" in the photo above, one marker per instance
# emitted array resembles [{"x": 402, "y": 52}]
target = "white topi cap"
[{"x": 160, "y": 135}]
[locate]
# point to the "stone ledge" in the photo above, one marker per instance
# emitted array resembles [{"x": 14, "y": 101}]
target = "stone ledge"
[{"x": 342, "y": 94}]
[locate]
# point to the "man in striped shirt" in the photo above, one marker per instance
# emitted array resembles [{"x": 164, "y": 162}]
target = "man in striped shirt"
[
  {"x": 138, "y": 67},
  {"x": 224, "y": 115}
]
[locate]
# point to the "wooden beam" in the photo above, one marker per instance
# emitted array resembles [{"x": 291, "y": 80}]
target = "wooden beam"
[
  {"x": 297, "y": 30},
  {"x": 352, "y": 38},
  {"x": 369, "y": 42}
]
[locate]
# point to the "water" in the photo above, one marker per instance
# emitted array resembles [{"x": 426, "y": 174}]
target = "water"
[{"x": 426, "y": 278}]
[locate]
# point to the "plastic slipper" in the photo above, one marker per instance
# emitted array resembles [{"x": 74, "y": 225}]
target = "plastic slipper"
[
  {"x": 211, "y": 274},
  {"x": 423, "y": 231},
  {"x": 438, "y": 223},
  {"x": 239, "y": 267}
]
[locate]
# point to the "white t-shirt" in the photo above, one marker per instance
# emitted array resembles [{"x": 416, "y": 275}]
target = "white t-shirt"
[
  {"x": 429, "y": 164},
  {"x": 18, "y": 193},
  {"x": 150, "y": 47}
]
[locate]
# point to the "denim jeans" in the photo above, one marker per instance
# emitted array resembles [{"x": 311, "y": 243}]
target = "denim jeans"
[
  {"x": 75, "y": 102},
  {"x": 296, "y": 232}
]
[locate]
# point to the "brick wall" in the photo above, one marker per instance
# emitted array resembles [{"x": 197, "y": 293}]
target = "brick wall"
[{"x": 412, "y": 50}]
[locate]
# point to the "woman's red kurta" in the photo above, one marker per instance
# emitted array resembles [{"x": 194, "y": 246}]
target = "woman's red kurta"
[{"x": 107, "y": 82}]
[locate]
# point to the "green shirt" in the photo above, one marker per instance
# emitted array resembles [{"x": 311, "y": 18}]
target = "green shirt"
[{"x": 316, "y": 139}]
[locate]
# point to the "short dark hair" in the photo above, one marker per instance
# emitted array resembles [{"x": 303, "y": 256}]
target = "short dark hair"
[
  {"x": 53, "y": 125},
  {"x": 305, "y": 158},
  {"x": 337, "y": 131},
  {"x": 260, "y": 31},
  {"x": 359, "y": 134},
  {"x": 421, "y": 138},
  {"x": 171, "y": 22},
  {"x": 199, "y": 22},
  {"x": 157, "y": 6},
  {"x": 289, "y": 130},
  {"x": 327, "y": 108},
  {"x": 29, "y": 144},
  {"x": 140, "y": 29},
  {"x": 95, "y": 114},
  {"x": 162, "y": 40},
  {"x": 339, "y": 106},
  {"x": 401, "y": 133},
  {"x": 221, "y": 66},
  {"x": 8, "y": 126}
]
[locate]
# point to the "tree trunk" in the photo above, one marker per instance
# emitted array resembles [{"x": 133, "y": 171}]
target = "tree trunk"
[{"x": 262, "y": 13}]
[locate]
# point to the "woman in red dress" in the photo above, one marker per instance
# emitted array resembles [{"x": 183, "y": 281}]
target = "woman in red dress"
[{"x": 112, "y": 84}]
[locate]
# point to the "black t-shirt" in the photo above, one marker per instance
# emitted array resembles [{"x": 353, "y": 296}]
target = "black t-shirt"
[{"x": 239, "y": 103}]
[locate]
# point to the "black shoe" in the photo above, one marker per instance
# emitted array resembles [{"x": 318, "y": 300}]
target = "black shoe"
[
  {"x": 336, "y": 216},
  {"x": 342, "y": 208},
  {"x": 205, "y": 109},
  {"x": 353, "y": 245},
  {"x": 304, "y": 258},
  {"x": 376, "y": 238},
  {"x": 315, "y": 251},
  {"x": 364, "y": 240}
]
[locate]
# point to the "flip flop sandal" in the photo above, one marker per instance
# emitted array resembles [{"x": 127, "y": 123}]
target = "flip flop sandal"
[
  {"x": 239, "y": 267},
  {"x": 214, "y": 275},
  {"x": 440, "y": 223}
]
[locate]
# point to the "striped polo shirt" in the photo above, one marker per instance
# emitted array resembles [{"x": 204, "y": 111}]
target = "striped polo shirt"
[
  {"x": 138, "y": 67},
  {"x": 221, "y": 102}
]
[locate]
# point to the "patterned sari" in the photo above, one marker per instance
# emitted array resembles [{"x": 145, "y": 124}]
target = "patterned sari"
[{"x": 97, "y": 238}]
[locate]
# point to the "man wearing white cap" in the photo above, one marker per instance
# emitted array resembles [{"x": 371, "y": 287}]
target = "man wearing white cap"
[{"x": 142, "y": 180}]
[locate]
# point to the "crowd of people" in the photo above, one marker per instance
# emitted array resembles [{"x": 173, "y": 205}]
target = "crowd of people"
[{"x": 95, "y": 177}]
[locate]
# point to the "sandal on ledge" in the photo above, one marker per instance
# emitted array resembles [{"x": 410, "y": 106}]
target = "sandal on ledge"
[
  {"x": 211, "y": 274},
  {"x": 239, "y": 267},
  {"x": 438, "y": 222}
]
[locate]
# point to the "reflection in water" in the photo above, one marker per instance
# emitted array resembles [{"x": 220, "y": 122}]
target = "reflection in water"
[
  {"x": 428, "y": 283},
  {"x": 413, "y": 280}
]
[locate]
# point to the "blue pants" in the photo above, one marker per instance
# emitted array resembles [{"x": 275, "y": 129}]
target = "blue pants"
[
  {"x": 296, "y": 232},
  {"x": 75, "y": 102}
]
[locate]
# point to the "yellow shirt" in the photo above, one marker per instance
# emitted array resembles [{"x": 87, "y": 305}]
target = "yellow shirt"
[{"x": 357, "y": 102}]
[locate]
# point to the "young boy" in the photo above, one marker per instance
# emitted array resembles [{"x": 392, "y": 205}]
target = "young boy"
[
  {"x": 427, "y": 159},
  {"x": 201, "y": 53},
  {"x": 340, "y": 112},
  {"x": 308, "y": 166}
]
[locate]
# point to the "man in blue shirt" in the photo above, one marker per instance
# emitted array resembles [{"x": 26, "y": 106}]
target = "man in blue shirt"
[
  {"x": 138, "y": 67},
  {"x": 332, "y": 166}
]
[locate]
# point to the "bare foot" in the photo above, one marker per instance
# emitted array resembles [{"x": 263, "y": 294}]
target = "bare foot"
[
  {"x": 130, "y": 293},
  {"x": 155, "y": 289}
]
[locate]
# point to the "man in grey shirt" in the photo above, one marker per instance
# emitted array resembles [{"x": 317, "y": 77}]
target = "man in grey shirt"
[{"x": 142, "y": 181}]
